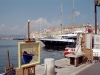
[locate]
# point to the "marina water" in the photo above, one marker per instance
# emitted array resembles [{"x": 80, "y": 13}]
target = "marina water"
[{"x": 12, "y": 46}]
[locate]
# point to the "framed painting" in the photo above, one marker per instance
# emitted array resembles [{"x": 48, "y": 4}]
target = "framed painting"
[{"x": 28, "y": 53}]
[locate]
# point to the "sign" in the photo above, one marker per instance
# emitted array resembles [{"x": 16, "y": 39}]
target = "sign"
[
  {"x": 96, "y": 46},
  {"x": 28, "y": 53},
  {"x": 89, "y": 41},
  {"x": 97, "y": 39}
]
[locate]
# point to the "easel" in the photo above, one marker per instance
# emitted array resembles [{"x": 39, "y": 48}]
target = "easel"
[
  {"x": 29, "y": 33},
  {"x": 9, "y": 70},
  {"x": 29, "y": 70}
]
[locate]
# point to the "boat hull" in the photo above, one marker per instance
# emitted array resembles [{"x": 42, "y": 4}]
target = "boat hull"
[{"x": 58, "y": 43}]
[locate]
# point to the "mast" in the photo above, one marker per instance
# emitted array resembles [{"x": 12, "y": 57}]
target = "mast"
[
  {"x": 73, "y": 16},
  {"x": 40, "y": 28},
  {"x": 61, "y": 16}
]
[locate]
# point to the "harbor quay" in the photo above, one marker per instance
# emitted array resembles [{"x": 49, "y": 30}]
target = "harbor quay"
[
  {"x": 61, "y": 68},
  {"x": 74, "y": 63}
]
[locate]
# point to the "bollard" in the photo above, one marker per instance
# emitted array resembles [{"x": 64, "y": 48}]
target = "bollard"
[{"x": 49, "y": 66}]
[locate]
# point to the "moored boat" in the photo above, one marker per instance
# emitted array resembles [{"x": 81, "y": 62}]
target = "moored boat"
[{"x": 61, "y": 40}]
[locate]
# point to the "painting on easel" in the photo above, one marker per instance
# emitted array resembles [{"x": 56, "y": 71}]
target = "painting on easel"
[{"x": 28, "y": 53}]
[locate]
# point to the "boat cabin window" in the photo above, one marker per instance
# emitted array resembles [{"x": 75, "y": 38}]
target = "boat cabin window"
[
  {"x": 64, "y": 37},
  {"x": 67, "y": 37},
  {"x": 72, "y": 38}
]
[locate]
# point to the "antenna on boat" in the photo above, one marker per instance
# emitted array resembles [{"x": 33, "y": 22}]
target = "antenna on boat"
[{"x": 61, "y": 16}]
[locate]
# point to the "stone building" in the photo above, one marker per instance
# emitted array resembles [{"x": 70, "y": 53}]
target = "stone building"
[{"x": 52, "y": 31}]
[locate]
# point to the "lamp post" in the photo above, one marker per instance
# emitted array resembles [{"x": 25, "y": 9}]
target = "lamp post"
[{"x": 96, "y": 3}]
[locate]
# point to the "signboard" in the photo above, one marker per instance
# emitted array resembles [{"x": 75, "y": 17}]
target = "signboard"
[
  {"x": 96, "y": 39},
  {"x": 28, "y": 53},
  {"x": 96, "y": 46},
  {"x": 89, "y": 41}
]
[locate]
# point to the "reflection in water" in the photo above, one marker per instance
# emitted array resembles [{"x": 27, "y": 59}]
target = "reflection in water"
[
  {"x": 51, "y": 52},
  {"x": 12, "y": 46},
  {"x": 52, "y": 48},
  {"x": 7, "y": 46}
]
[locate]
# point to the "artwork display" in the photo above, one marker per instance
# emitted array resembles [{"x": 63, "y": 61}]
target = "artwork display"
[{"x": 28, "y": 53}]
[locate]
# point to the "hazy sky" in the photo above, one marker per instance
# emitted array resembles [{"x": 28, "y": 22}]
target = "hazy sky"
[{"x": 14, "y": 14}]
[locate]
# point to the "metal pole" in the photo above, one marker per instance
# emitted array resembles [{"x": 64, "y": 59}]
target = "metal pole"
[
  {"x": 28, "y": 30},
  {"x": 73, "y": 15},
  {"x": 61, "y": 17},
  {"x": 95, "y": 9},
  {"x": 8, "y": 59}
]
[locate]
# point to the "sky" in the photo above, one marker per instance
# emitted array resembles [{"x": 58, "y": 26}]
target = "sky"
[{"x": 14, "y": 14}]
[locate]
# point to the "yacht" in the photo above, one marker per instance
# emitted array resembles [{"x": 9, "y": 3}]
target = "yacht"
[{"x": 61, "y": 40}]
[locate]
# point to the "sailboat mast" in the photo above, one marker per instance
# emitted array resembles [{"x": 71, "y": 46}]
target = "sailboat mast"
[
  {"x": 61, "y": 17},
  {"x": 40, "y": 28},
  {"x": 73, "y": 15}
]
